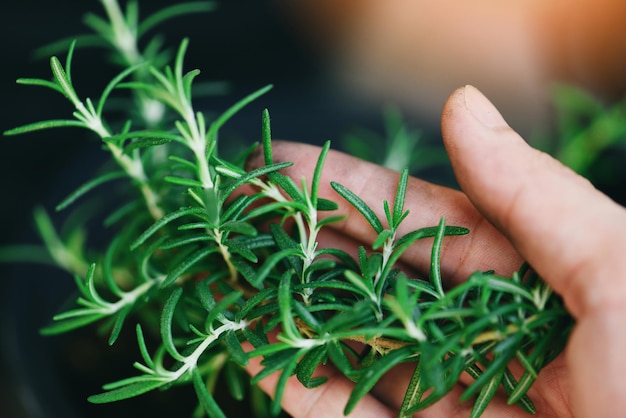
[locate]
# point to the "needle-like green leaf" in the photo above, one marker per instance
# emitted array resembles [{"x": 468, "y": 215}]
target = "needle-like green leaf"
[
  {"x": 204, "y": 396},
  {"x": 360, "y": 205},
  {"x": 128, "y": 391}
]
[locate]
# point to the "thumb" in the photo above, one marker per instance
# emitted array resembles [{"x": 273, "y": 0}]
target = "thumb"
[{"x": 572, "y": 235}]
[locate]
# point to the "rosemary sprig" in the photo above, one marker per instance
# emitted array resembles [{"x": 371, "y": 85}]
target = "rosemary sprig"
[{"x": 220, "y": 268}]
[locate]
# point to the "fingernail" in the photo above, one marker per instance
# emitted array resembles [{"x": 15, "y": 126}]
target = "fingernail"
[{"x": 482, "y": 109}]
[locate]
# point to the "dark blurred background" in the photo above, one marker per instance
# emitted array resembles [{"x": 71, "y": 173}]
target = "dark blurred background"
[{"x": 247, "y": 43}]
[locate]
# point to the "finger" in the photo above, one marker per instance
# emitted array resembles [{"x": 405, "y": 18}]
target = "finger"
[
  {"x": 572, "y": 234},
  {"x": 484, "y": 249}
]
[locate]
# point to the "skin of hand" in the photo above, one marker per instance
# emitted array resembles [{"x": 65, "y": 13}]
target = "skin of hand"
[{"x": 520, "y": 204}]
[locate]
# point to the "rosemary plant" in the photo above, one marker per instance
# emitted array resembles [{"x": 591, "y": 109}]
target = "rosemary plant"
[{"x": 202, "y": 267}]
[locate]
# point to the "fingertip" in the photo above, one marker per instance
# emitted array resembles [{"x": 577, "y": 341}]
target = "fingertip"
[
  {"x": 469, "y": 110},
  {"x": 479, "y": 142},
  {"x": 482, "y": 109},
  {"x": 454, "y": 100}
]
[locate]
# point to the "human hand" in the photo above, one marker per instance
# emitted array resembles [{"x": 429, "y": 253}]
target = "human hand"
[{"x": 519, "y": 204}]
